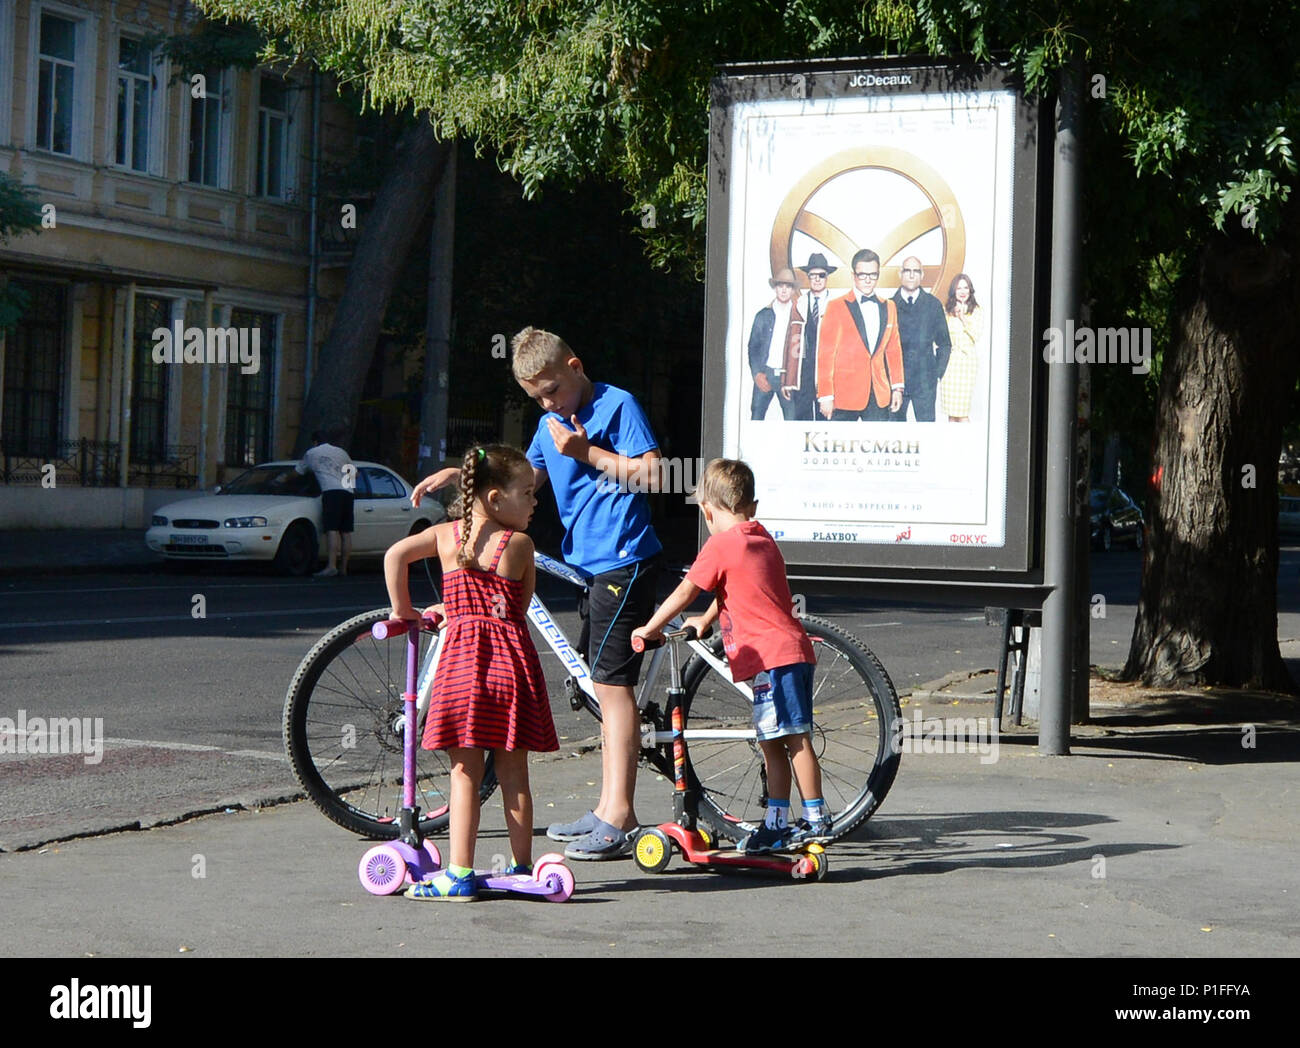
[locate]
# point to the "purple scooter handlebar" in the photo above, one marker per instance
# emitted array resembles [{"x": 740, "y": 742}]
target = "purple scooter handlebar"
[{"x": 396, "y": 627}]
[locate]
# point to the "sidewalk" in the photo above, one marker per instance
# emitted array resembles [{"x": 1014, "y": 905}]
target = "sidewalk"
[
  {"x": 1166, "y": 839},
  {"x": 75, "y": 550}
]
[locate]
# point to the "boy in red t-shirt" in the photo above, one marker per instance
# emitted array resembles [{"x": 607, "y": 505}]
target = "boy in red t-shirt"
[{"x": 764, "y": 642}]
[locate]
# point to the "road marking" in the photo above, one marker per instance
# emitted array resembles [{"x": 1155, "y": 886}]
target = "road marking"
[
  {"x": 193, "y": 747},
  {"x": 351, "y": 608},
  {"x": 180, "y": 584}
]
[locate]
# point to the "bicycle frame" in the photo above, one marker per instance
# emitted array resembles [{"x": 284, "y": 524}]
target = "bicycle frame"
[{"x": 580, "y": 673}]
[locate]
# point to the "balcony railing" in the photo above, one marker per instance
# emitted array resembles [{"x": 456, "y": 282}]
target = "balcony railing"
[{"x": 97, "y": 464}]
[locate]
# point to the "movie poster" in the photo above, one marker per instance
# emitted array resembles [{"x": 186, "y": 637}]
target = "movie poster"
[{"x": 871, "y": 396}]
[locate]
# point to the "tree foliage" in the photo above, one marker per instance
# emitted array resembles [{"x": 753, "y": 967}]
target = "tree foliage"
[
  {"x": 1201, "y": 100},
  {"x": 20, "y": 212}
]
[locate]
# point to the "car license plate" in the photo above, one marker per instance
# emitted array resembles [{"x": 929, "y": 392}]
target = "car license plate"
[{"x": 189, "y": 540}]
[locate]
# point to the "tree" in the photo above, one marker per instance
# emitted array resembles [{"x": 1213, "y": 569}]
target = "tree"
[
  {"x": 390, "y": 227},
  {"x": 1188, "y": 161},
  {"x": 20, "y": 212}
]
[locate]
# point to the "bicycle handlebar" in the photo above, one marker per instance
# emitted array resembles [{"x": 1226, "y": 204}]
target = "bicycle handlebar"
[
  {"x": 397, "y": 627},
  {"x": 640, "y": 644}
]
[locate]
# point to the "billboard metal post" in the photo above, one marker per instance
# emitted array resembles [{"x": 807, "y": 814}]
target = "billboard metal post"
[{"x": 1059, "y": 610}]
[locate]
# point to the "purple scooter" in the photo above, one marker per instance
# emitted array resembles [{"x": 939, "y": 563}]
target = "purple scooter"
[{"x": 388, "y": 868}]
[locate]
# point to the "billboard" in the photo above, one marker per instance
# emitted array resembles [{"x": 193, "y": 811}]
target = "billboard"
[{"x": 870, "y": 310}]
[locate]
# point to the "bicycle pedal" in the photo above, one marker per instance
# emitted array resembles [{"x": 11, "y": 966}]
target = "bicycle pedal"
[{"x": 574, "y": 693}]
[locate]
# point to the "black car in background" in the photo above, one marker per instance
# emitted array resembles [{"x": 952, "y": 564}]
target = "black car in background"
[{"x": 1116, "y": 519}]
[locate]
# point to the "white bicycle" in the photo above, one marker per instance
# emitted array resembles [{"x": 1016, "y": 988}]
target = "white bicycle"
[{"x": 343, "y": 723}]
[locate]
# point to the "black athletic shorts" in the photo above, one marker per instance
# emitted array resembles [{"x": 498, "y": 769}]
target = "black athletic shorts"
[
  {"x": 615, "y": 604},
  {"x": 336, "y": 510}
]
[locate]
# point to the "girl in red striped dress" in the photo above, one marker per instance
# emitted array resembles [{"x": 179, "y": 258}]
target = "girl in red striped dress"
[{"x": 488, "y": 691}]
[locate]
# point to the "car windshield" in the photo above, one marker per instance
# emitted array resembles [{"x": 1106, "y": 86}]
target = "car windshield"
[{"x": 273, "y": 480}]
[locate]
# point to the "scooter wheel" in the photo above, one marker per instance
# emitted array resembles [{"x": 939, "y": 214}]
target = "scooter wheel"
[
  {"x": 428, "y": 861},
  {"x": 653, "y": 850},
  {"x": 556, "y": 876},
  {"x": 811, "y": 866},
  {"x": 382, "y": 870}
]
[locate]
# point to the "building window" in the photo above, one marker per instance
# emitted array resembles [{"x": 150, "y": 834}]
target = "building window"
[
  {"x": 56, "y": 84},
  {"x": 248, "y": 396},
  {"x": 207, "y": 126},
  {"x": 33, "y": 367},
  {"x": 272, "y": 137},
  {"x": 134, "y": 102},
  {"x": 149, "y": 383}
]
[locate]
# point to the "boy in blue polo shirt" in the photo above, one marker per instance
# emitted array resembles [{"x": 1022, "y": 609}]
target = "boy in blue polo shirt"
[{"x": 595, "y": 446}]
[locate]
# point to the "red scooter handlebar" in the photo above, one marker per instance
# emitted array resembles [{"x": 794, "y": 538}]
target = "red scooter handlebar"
[{"x": 640, "y": 644}]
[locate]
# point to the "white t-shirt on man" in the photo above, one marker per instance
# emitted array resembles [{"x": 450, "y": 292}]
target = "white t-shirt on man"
[{"x": 327, "y": 462}]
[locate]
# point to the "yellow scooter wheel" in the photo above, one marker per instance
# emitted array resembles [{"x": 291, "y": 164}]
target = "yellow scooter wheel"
[{"x": 652, "y": 850}]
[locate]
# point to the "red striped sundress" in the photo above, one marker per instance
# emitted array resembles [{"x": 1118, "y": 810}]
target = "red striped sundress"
[{"x": 488, "y": 689}]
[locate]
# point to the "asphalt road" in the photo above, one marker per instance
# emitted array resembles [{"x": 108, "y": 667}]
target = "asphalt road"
[{"x": 188, "y": 671}]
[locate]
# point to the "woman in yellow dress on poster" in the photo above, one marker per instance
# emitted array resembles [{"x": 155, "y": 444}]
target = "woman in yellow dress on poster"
[{"x": 965, "y": 329}]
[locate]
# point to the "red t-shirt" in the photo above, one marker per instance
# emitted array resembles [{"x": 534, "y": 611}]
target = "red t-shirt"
[{"x": 744, "y": 568}]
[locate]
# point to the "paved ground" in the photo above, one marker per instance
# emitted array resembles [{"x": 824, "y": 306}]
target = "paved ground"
[{"x": 1167, "y": 840}]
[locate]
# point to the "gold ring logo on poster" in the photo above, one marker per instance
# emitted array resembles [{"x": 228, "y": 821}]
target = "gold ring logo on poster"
[{"x": 943, "y": 214}]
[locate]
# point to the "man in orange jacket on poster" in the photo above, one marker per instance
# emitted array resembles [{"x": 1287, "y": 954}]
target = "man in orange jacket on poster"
[{"x": 860, "y": 358}]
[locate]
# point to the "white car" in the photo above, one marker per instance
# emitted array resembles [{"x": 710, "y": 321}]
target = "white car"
[{"x": 272, "y": 512}]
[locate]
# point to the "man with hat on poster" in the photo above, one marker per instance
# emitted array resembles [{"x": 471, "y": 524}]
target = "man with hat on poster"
[
  {"x": 800, "y": 385},
  {"x": 777, "y": 327}
]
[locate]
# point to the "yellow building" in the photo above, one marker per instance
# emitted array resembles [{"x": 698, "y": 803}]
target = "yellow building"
[{"x": 165, "y": 345}]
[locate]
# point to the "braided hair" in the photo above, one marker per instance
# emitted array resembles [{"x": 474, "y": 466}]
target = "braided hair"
[{"x": 483, "y": 467}]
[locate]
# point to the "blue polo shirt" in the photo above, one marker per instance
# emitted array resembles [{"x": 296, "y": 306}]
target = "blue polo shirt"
[{"x": 605, "y": 526}]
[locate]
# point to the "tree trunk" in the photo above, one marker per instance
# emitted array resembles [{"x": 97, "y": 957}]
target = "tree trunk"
[
  {"x": 385, "y": 241},
  {"x": 1208, "y": 609}
]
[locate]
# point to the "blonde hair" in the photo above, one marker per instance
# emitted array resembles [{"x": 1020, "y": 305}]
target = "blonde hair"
[
  {"x": 727, "y": 483},
  {"x": 536, "y": 350},
  {"x": 483, "y": 467}
]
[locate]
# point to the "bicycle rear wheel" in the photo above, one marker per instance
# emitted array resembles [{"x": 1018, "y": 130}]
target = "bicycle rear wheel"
[
  {"x": 343, "y": 726},
  {"x": 856, "y": 720}
]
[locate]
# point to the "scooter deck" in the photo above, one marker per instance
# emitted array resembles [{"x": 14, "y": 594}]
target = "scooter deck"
[
  {"x": 550, "y": 880},
  {"x": 802, "y": 862},
  {"x": 519, "y": 883}
]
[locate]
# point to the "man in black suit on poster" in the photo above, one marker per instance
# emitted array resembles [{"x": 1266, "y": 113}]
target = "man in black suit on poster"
[{"x": 923, "y": 330}]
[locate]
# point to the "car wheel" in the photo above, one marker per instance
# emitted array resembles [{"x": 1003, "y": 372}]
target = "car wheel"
[{"x": 297, "y": 553}]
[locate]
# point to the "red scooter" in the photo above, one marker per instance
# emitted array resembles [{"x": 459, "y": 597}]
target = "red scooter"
[{"x": 653, "y": 848}]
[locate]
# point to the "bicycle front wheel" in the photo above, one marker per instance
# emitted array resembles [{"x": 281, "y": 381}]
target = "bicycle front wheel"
[
  {"x": 856, "y": 720},
  {"x": 343, "y": 730}
]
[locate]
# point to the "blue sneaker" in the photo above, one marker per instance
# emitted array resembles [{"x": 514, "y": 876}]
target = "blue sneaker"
[
  {"x": 765, "y": 839},
  {"x": 517, "y": 868},
  {"x": 573, "y": 831},
  {"x": 806, "y": 832},
  {"x": 445, "y": 887},
  {"x": 606, "y": 841}
]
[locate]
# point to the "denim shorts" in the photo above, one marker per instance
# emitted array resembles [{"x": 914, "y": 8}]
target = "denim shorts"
[{"x": 784, "y": 708}]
